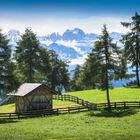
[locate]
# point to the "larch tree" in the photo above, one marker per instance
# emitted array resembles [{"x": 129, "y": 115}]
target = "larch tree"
[{"x": 106, "y": 62}]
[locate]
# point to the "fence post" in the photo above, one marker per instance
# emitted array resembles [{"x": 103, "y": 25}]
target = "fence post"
[
  {"x": 18, "y": 116},
  {"x": 105, "y": 105},
  {"x": 68, "y": 97},
  {"x": 83, "y": 102},
  {"x": 72, "y": 98},
  {"x": 10, "y": 115},
  {"x": 57, "y": 111},
  {"x": 64, "y": 97},
  {"x": 79, "y": 109},
  {"x": 68, "y": 110},
  {"x": 124, "y": 105},
  {"x": 115, "y": 105},
  {"x": 77, "y": 100}
]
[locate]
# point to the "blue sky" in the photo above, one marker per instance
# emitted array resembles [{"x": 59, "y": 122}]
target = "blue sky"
[{"x": 45, "y": 16}]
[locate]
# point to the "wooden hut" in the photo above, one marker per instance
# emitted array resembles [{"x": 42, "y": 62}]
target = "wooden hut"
[{"x": 33, "y": 96}]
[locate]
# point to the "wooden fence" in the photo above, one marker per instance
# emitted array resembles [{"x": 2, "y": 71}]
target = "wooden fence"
[
  {"x": 75, "y": 100},
  {"x": 97, "y": 106},
  {"x": 115, "y": 105},
  {"x": 39, "y": 113},
  {"x": 57, "y": 111},
  {"x": 84, "y": 106}
]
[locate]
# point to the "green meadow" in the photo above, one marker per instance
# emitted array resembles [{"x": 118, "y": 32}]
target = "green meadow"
[
  {"x": 90, "y": 125},
  {"x": 117, "y": 94}
]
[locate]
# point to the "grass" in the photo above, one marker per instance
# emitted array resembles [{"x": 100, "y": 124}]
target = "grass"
[
  {"x": 7, "y": 108},
  {"x": 95, "y": 96},
  {"x": 81, "y": 126},
  {"x": 118, "y": 94},
  {"x": 94, "y": 125},
  {"x": 56, "y": 104},
  {"x": 59, "y": 104}
]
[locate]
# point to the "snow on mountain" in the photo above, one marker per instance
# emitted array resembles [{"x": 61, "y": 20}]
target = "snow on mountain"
[
  {"x": 116, "y": 36},
  {"x": 54, "y": 37},
  {"x": 73, "y": 45},
  {"x": 75, "y": 34},
  {"x": 65, "y": 53},
  {"x": 13, "y": 36},
  {"x": 91, "y": 36}
]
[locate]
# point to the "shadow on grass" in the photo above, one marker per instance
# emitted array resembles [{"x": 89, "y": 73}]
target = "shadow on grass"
[
  {"x": 114, "y": 113},
  {"x": 135, "y": 86},
  {"x": 4, "y": 121}
]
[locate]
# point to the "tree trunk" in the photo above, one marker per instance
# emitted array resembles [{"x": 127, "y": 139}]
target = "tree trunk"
[
  {"x": 137, "y": 75},
  {"x": 137, "y": 59},
  {"x": 30, "y": 73},
  {"x": 107, "y": 92},
  {"x": 107, "y": 86},
  {"x": 30, "y": 80}
]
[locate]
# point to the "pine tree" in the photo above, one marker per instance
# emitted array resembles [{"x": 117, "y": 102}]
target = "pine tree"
[
  {"x": 44, "y": 66},
  {"x": 76, "y": 81},
  {"x": 89, "y": 72},
  {"x": 121, "y": 72},
  {"x": 28, "y": 55},
  {"x": 132, "y": 43},
  {"x": 58, "y": 77},
  {"x": 5, "y": 54}
]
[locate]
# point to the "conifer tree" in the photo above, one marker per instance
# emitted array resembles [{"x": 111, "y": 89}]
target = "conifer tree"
[
  {"x": 28, "y": 55},
  {"x": 58, "y": 77},
  {"x": 76, "y": 81},
  {"x": 132, "y": 43},
  {"x": 44, "y": 66},
  {"x": 104, "y": 62},
  {"x": 5, "y": 62}
]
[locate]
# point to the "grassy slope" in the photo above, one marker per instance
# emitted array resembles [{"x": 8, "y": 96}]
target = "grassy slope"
[
  {"x": 56, "y": 104},
  {"x": 95, "y": 96},
  {"x": 118, "y": 94},
  {"x": 80, "y": 126},
  {"x": 7, "y": 108}
]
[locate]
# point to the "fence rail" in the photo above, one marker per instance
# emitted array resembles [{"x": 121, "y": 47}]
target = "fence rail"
[
  {"x": 57, "y": 111},
  {"x": 75, "y": 100},
  {"x": 97, "y": 106},
  {"x": 115, "y": 105},
  {"x": 39, "y": 113},
  {"x": 84, "y": 106}
]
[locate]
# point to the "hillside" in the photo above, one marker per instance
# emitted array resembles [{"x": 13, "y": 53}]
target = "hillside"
[
  {"x": 117, "y": 94},
  {"x": 94, "y": 96},
  {"x": 121, "y": 124}
]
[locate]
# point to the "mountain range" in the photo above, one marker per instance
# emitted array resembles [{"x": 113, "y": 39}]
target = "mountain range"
[{"x": 73, "y": 45}]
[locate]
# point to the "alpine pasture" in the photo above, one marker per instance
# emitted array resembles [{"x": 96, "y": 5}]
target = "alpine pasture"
[{"x": 90, "y": 125}]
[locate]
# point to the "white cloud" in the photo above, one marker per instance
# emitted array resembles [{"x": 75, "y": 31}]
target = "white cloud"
[{"x": 44, "y": 25}]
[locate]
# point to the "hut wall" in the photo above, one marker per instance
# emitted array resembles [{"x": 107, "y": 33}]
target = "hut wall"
[
  {"x": 36, "y": 101},
  {"x": 21, "y": 104},
  {"x": 40, "y": 102}
]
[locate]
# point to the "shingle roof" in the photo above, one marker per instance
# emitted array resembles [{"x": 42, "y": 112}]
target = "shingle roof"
[{"x": 25, "y": 89}]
